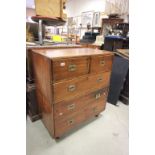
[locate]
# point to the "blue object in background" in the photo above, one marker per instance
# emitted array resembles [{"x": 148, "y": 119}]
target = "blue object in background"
[{"x": 114, "y": 37}]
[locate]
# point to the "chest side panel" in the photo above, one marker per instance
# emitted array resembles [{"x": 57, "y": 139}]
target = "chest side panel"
[{"x": 42, "y": 70}]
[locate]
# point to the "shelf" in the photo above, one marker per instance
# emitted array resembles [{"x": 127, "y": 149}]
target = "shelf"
[
  {"x": 112, "y": 20},
  {"x": 49, "y": 21}
]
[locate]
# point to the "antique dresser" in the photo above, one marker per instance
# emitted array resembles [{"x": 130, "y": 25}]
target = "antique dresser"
[{"x": 71, "y": 86}]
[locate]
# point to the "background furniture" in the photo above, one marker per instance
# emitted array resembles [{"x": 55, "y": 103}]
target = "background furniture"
[
  {"x": 112, "y": 21},
  {"x": 89, "y": 37},
  {"x": 48, "y": 21},
  {"x": 51, "y": 8},
  {"x": 71, "y": 85},
  {"x": 32, "y": 103},
  {"x": 111, "y": 43},
  {"x": 115, "y": 33},
  {"x": 109, "y": 22},
  {"x": 124, "y": 96},
  {"x": 118, "y": 76}
]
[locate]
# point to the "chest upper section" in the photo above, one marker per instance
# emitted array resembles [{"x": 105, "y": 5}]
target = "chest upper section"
[
  {"x": 65, "y": 68},
  {"x": 72, "y": 63}
]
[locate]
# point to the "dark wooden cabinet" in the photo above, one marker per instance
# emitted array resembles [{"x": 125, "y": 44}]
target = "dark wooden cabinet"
[
  {"x": 119, "y": 82},
  {"x": 71, "y": 86},
  {"x": 124, "y": 96},
  {"x": 112, "y": 21},
  {"x": 117, "y": 37},
  {"x": 31, "y": 102},
  {"x": 112, "y": 43}
]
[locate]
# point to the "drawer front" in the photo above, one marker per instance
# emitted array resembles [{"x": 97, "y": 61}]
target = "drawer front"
[
  {"x": 101, "y": 64},
  {"x": 95, "y": 108},
  {"x": 70, "y": 89},
  {"x": 76, "y": 87},
  {"x": 67, "y": 123},
  {"x": 69, "y": 68},
  {"x": 62, "y": 127},
  {"x": 65, "y": 108},
  {"x": 100, "y": 80}
]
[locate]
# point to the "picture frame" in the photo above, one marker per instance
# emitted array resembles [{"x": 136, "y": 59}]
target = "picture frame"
[
  {"x": 96, "y": 19},
  {"x": 87, "y": 18}
]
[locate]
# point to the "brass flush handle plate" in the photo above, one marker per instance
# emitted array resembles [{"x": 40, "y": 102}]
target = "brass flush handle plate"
[
  {"x": 72, "y": 68},
  {"x": 71, "y": 88}
]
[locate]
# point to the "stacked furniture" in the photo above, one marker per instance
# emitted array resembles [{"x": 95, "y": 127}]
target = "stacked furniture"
[{"x": 71, "y": 85}]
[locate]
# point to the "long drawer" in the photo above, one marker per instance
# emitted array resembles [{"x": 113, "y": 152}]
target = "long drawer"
[
  {"x": 64, "y": 125},
  {"x": 72, "y": 88},
  {"x": 66, "y": 108},
  {"x": 70, "y": 68}
]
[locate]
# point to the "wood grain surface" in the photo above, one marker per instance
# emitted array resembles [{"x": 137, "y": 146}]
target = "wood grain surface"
[
  {"x": 81, "y": 85},
  {"x": 71, "y": 52},
  {"x": 69, "y": 68},
  {"x": 68, "y": 107},
  {"x": 71, "y": 85}
]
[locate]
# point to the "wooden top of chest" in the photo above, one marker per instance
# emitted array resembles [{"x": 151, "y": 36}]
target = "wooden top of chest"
[{"x": 71, "y": 52}]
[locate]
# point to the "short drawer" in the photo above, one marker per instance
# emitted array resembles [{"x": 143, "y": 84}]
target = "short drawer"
[
  {"x": 62, "y": 127},
  {"x": 99, "y": 80},
  {"x": 95, "y": 108},
  {"x": 66, "y": 108},
  {"x": 69, "y": 68},
  {"x": 101, "y": 63}
]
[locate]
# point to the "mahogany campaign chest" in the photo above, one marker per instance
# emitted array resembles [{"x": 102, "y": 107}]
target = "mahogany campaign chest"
[{"x": 71, "y": 86}]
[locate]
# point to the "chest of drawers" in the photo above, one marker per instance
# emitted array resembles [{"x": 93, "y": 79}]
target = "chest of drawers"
[{"x": 71, "y": 86}]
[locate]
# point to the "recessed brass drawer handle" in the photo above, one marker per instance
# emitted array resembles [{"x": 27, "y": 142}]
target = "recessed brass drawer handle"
[
  {"x": 99, "y": 79},
  {"x": 102, "y": 62},
  {"x": 70, "y": 122},
  {"x": 71, "y": 106},
  {"x": 71, "y": 88},
  {"x": 72, "y": 68},
  {"x": 97, "y": 96}
]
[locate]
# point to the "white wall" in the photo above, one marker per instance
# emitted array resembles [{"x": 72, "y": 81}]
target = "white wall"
[
  {"x": 30, "y": 12},
  {"x": 76, "y": 7}
]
